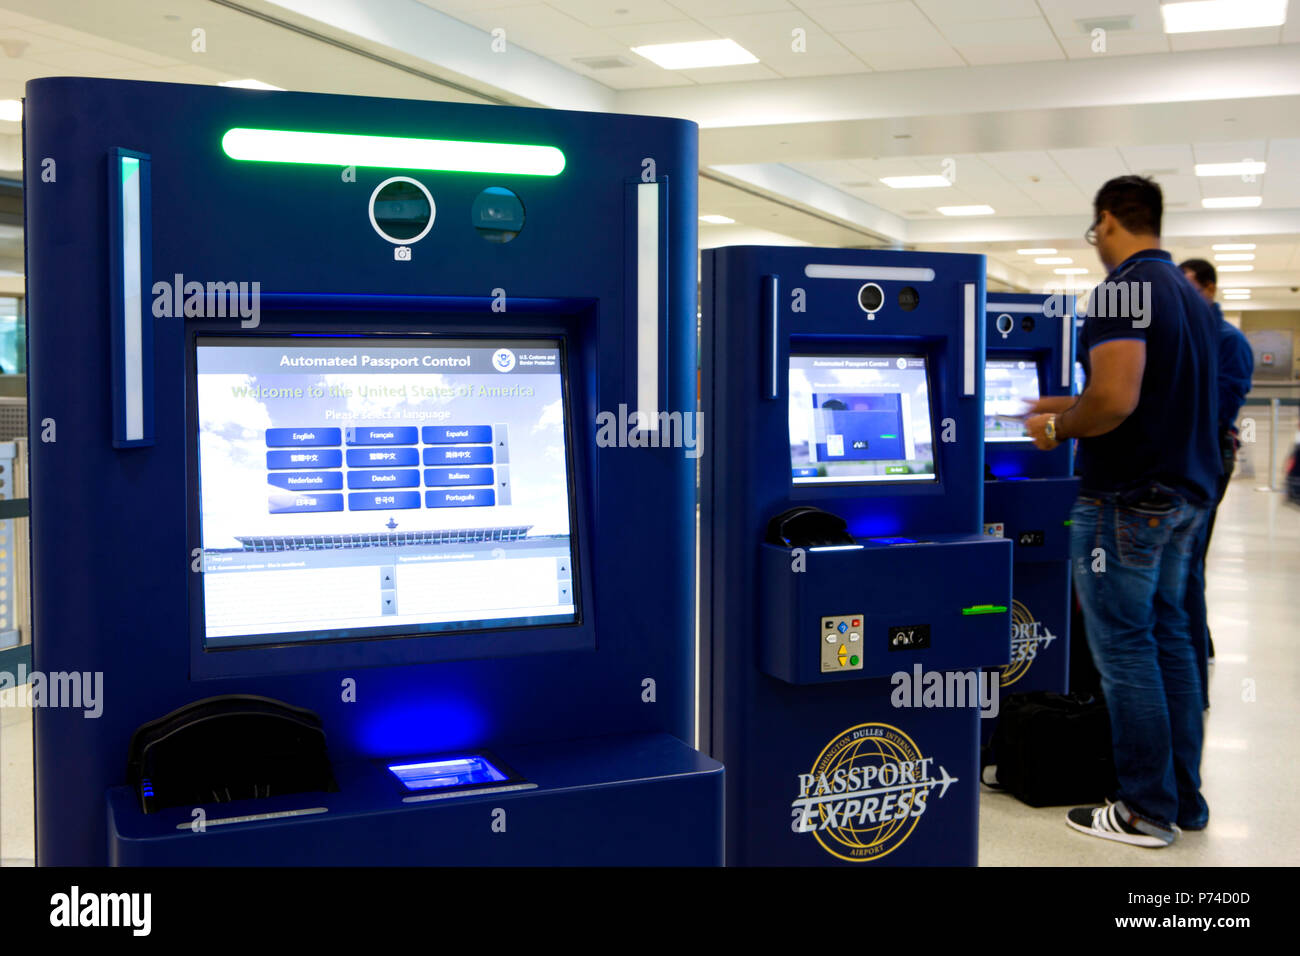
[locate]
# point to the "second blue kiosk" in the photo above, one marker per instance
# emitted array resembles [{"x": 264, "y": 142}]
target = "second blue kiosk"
[{"x": 849, "y": 596}]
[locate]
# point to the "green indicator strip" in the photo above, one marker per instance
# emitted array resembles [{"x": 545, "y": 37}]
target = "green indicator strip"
[
  {"x": 1067, "y": 522},
  {"x": 985, "y": 609},
  {"x": 390, "y": 152}
]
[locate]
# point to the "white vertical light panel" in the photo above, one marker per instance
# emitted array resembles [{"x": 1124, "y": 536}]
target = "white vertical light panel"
[
  {"x": 968, "y": 340},
  {"x": 132, "y": 300},
  {"x": 647, "y": 306}
]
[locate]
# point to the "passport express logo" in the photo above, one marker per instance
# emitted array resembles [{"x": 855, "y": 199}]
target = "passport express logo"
[
  {"x": 1028, "y": 637},
  {"x": 866, "y": 793}
]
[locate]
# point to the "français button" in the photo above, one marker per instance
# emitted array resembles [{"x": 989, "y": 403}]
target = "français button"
[{"x": 394, "y": 435}]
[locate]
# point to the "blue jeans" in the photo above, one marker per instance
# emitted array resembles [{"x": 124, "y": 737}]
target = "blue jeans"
[{"x": 1130, "y": 555}]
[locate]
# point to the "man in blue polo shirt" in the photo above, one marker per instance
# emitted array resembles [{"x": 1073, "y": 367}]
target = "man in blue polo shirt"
[
  {"x": 1236, "y": 365},
  {"x": 1148, "y": 463}
]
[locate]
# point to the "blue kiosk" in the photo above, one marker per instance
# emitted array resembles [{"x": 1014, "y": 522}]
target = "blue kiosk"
[
  {"x": 1028, "y": 494},
  {"x": 319, "y": 491},
  {"x": 849, "y": 596}
]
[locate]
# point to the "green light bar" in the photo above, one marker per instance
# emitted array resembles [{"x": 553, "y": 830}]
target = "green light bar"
[
  {"x": 390, "y": 152},
  {"x": 985, "y": 609}
]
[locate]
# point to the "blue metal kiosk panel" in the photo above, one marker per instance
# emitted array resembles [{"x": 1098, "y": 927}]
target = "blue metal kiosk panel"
[
  {"x": 1029, "y": 493},
  {"x": 907, "y": 784},
  {"x": 118, "y": 589}
]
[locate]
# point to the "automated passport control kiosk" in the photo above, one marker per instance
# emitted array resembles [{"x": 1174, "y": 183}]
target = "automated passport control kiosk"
[
  {"x": 1028, "y": 494},
  {"x": 849, "y": 596},
  {"x": 319, "y": 490}
]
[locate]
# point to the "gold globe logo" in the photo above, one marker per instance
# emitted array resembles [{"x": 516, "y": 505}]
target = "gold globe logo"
[
  {"x": 866, "y": 793},
  {"x": 1028, "y": 637}
]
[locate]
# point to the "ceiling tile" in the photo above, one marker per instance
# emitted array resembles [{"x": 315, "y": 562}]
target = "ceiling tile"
[
  {"x": 944, "y": 12},
  {"x": 731, "y": 74},
  {"x": 875, "y": 16},
  {"x": 617, "y": 13}
]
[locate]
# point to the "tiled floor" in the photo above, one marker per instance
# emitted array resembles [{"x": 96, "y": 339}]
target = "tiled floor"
[{"x": 1252, "y": 746}]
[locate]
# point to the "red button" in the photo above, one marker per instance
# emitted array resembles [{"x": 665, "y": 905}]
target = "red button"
[{"x": 857, "y": 622}]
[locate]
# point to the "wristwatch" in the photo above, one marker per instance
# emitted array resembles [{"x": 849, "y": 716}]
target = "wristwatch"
[{"x": 1049, "y": 428}]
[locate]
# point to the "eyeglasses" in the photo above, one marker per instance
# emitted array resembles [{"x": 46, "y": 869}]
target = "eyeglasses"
[{"x": 1091, "y": 235}]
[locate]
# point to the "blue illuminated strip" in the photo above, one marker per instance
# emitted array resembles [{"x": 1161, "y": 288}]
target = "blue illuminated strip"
[{"x": 449, "y": 772}]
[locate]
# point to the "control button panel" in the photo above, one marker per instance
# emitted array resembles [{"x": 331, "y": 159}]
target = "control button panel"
[{"x": 841, "y": 643}]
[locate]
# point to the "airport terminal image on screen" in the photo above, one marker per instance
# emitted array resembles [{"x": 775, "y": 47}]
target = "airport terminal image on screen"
[
  {"x": 860, "y": 418},
  {"x": 364, "y": 487}
]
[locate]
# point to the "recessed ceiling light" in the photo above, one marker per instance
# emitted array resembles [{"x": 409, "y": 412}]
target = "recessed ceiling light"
[
  {"x": 1201, "y": 16},
  {"x": 1071, "y": 272},
  {"x": 1236, "y": 268},
  {"x": 916, "y": 182},
  {"x": 1035, "y": 252},
  {"x": 1232, "y": 202},
  {"x": 696, "y": 55},
  {"x": 11, "y": 110},
  {"x": 1236, "y": 295},
  {"x": 1233, "y": 246},
  {"x": 1053, "y": 261},
  {"x": 966, "y": 210},
  {"x": 1235, "y": 290},
  {"x": 250, "y": 85},
  {"x": 717, "y": 220},
  {"x": 1235, "y": 257},
  {"x": 1246, "y": 168}
]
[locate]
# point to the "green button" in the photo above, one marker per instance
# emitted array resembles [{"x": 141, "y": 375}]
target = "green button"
[{"x": 854, "y": 660}]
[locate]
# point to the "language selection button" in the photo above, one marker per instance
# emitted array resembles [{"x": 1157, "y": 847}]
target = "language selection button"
[
  {"x": 457, "y": 476},
  {"x": 292, "y": 504},
  {"x": 457, "y": 434},
  {"x": 326, "y": 458},
  {"x": 458, "y": 455},
  {"x": 307, "y": 480},
  {"x": 392, "y": 478},
  {"x": 291, "y": 437},
  {"x": 470, "y": 498},
  {"x": 382, "y": 501},
  {"x": 395, "y": 435},
  {"x": 380, "y": 457}
]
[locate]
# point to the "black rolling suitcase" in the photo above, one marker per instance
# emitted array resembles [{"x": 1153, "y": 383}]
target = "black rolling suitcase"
[{"x": 1054, "y": 749}]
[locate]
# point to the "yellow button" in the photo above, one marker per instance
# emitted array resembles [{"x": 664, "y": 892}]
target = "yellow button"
[{"x": 843, "y": 655}]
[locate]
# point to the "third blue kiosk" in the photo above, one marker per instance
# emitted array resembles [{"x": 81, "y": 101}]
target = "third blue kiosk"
[
  {"x": 1029, "y": 492},
  {"x": 849, "y": 596},
  {"x": 321, "y": 493}
]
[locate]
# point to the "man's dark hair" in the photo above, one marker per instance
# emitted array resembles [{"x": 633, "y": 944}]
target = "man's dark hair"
[
  {"x": 1205, "y": 273},
  {"x": 1135, "y": 201}
]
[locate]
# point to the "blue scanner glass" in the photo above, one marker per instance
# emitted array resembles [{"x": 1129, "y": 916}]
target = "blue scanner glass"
[{"x": 446, "y": 772}]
